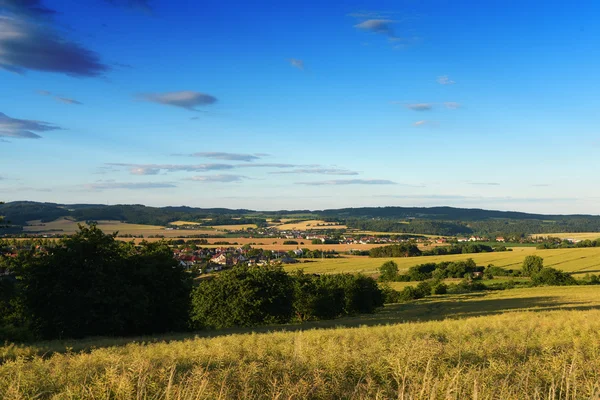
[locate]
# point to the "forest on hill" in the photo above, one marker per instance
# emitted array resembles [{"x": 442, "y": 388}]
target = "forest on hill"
[{"x": 448, "y": 221}]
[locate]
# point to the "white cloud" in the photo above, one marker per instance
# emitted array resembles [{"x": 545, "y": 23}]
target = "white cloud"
[
  {"x": 221, "y": 178},
  {"x": 294, "y": 62},
  {"x": 129, "y": 185},
  {"x": 323, "y": 171},
  {"x": 445, "y": 80},
  {"x": 349, "y": 182}
]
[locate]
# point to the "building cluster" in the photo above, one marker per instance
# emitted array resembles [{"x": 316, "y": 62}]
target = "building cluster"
[{"x": 207, "y": 260}]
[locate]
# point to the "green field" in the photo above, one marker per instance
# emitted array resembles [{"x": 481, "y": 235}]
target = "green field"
[
  {"x": 579, "y": 261},
  {"x": 522, "y": 343}
]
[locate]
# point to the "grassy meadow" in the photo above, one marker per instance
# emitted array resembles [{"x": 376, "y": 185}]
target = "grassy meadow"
[
  {"x": 540, "y": 343},
  {"x": 578, "y": 261}
]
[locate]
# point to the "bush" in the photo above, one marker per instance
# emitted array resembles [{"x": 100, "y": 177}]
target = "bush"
[
  {"x": 290, "y": 242},
  {"x": 439, "y": 288},
  {"x": 390, "y": 296},
  {"x": 243, "y": 296},
  {"x": 361, "y": 293},
  {"x": 424, "y": 289},
  {"x": 388, "y": 271},
  {"x": 316, "y": 297},
  {"x": 553, "y": 277}
]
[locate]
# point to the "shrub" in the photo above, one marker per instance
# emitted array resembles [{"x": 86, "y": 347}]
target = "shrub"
[
  {"x": 439, "y": 288},
  {"x": 388, "y": 271},
  {"x": 424, "y": 289},
  {"x": 390, "y": 296},
  {"x": 410, "y": 293},
  {"x": 243, "y": 296},
  {"x": 316, "y": 297},
  {"x": 553, "y": 277}
]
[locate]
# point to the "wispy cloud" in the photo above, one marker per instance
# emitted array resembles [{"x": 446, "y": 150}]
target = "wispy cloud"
[
  {"x": 153, "y": 169},
  {"x": 68, "y": 101},
  {"x": 129, "y": 185},
  {"x": 420, "y": 123},
  {"x": 445, "y": 80},
  {"x": 221, "y": 178},
  {"x": 322, "y": 171},
  {"x": 23, "y": 128},
  {"x": 274, "y": 165},
  {"x": 25, "y": 45},
  {"x": 420, "y": 106},
  {"x": 184, "y": 99},
  {"x": 484, "y": 183},
  {"x": 380, "y": 26},
  {"x": 61, "y": 99},
  {"x": 452, "y": 105},
  {"x": 349, "y": 182},
  {"x": 229, "y": 156},
  {"x": 294, "y": 62}
]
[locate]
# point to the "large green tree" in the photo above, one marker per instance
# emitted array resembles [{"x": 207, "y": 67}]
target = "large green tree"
[
  {"x": 532, "y": 265},
  {"x": 91, "y": 284}
]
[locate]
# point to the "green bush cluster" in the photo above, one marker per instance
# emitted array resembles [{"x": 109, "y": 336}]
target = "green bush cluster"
[{"x": 249, "y": 296}]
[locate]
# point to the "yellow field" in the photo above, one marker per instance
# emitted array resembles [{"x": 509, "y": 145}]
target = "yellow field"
[
  {"x": 308, "y": 225},
  {"x": 580, "y": 261},
  {"x": 576, "y": 236},
  {"x": 181, "y": 223},
  {"x": 67, "y": 226},
  {"x": 540, "y": 343}
]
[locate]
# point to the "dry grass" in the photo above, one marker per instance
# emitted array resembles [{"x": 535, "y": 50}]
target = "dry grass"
[
  {"x": 576, "y": 236},
  {"x": 494, "y": 350},
  {"x": 579, "y": 261},
  {"x": 67, "y": 226},
  {"x": 309, "y": 225}
]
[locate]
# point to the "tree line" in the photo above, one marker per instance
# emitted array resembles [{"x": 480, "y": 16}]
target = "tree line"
[
  {"x": 410, "y": 249},
  {"x": 91, "y": 284}
]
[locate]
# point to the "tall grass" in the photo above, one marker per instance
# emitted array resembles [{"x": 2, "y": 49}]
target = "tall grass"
[{"x": 538, "y": 355}]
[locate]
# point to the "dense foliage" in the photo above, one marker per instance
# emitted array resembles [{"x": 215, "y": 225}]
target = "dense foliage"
[
  {"x": 409, "y": 249},
  {"x": 248, "y": 296},
  {"x": 405, "y": 249},
  {"x": 91, "y": 284}
]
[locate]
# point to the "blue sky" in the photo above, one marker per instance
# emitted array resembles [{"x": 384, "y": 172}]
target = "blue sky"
[{"x": 301, "y": 105}]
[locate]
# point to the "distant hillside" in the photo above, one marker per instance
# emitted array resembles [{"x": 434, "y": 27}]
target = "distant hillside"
[
  {"x": 412, "y": 220},
  {"x": 439, "y": 213}
]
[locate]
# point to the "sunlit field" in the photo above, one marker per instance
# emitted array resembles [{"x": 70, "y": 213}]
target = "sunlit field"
[
  {"x": 522, "y": 343},
  {"x": 309, "y": 225},
  {"x": 575, "y": 236},
  {"x": 579, "y": 261}
]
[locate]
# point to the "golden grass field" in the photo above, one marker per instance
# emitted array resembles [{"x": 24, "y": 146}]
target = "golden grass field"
[
  {"x": 67, "y": 226},
  {"x": 576, "y": 236},
  {"x": 538, "y": 343},
  {"x": 579, "y": 261},
  {"x": 309, "y": 225}
]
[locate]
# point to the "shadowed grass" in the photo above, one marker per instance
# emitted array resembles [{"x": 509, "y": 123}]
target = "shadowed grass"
[{"x": 521, "y": 343}]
